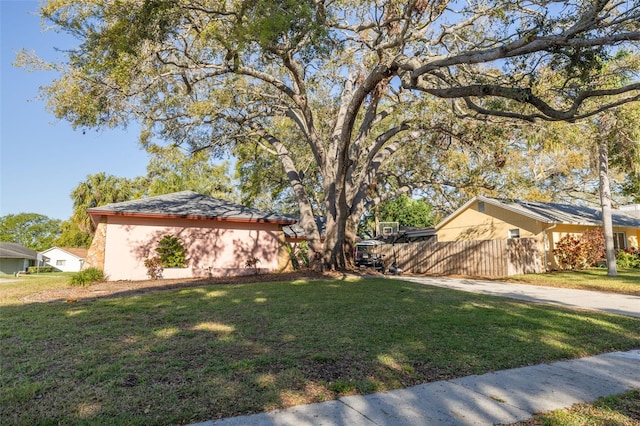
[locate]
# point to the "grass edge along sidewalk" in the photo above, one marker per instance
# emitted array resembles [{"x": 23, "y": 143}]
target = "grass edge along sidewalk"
[
  {"x": 492, "y": 398},
  {"x": 207, "y": 352}
]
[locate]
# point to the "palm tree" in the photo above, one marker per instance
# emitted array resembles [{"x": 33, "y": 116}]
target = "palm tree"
[{"x": 99, "y": 189}]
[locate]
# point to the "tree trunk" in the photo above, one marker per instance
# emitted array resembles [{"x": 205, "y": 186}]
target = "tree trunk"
[
  {"x": 605, "y": 201},
  {"x": 335, "y": 257}
]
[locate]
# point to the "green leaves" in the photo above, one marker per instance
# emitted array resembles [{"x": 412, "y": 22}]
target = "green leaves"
[
  {"x": 171, "y": 252},
  {"x": 280, "y": 24},
  {"x": 171, "y": 169},
  {"x": 581, "y": 63},
  {"x": 97, "y": 190},
  {"x": 31, "y": 230}
]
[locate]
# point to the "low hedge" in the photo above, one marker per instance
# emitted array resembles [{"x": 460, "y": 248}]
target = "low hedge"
[
  {"x": 87, "y": 277},
  {"x": 41, "y": 269}
]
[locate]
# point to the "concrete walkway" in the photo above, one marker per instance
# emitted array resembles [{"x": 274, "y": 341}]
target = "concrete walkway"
[
  {"x": 499, "y": 397},
  {"x": 577, "y": 299}
]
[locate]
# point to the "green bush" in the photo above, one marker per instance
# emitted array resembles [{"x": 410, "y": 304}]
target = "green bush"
[
  {"x": 299, "y": 255},
  {"x": 171, "y": 251},
  {"x": 41, "y": 269},
  {"x": 628, "y": 259},
  {"x": 87, "y": 277}
]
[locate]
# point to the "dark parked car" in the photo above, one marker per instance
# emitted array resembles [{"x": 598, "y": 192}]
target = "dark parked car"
[{"x": 366, "y": 258}]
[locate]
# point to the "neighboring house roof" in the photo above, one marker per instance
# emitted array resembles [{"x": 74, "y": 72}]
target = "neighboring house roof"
[
  {"x": 16, "y": 251},
  {"x": 295, "y": 231},
  {"x": 80, "y": 253},
  {"x": 187, "y": 205},
  {"x": 553, "y": 213}
]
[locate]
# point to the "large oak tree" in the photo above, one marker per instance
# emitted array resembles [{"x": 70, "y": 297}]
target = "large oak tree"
[{"x": 347, "y": 84}]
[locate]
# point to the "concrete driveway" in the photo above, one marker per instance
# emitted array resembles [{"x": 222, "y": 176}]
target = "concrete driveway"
[{"x": 578, "y": 299}]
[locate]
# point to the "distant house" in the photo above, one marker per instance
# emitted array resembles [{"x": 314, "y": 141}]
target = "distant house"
[
  {"x": 16, "y": 258},
  {"x": 64, "y": 259},
  {"x": 483, "y": 218},
  {"x": 219, "y": 237}
]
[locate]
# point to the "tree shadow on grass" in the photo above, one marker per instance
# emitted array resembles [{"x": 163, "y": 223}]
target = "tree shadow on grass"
[{"x": 212, "y": 351}]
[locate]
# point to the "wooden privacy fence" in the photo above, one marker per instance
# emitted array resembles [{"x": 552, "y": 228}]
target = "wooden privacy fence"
[{"x": 489, "y": 258}]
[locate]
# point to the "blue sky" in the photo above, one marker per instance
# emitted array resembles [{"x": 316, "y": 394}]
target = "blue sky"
[{"x": 42, "y": 158}]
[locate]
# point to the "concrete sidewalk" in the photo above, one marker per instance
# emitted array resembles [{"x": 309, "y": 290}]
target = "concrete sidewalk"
[
  {"x": 500, "y": 397},
  {"x": 577, "y": 299}
]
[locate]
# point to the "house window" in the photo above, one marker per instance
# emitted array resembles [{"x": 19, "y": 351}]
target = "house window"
[
  {"x": 514, "y": 233},
  {"x": 619, "y": 240},
  {"x": 481, "y": 206},
  {"x": 61, "y": 262}
]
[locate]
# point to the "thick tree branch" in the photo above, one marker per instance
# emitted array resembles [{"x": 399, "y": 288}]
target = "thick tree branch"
[{"x": 526, "y": 96}]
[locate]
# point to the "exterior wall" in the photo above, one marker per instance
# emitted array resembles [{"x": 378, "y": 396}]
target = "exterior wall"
[
  {"x": 284, "y": 259},
  {"x": 633, "y": 236},
  {"x": 492, "y": 224},
  {"x": 9, "y": 266},
  {"x": 70, "y": 262},
  {"x": 95, "y": 255},
  {"x": 214, "y": 248}
]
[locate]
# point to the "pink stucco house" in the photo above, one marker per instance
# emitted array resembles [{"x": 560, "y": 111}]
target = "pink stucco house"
[{"x": 219, "y": 236}]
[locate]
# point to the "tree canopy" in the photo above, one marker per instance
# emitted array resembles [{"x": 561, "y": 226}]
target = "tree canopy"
[
  {"x": 355, "y": 88},
  {"x": 169, "y": 170},
  {"x": 402, "y": 209},
  {"x": 31, "y": 230},
  {"x": 97, "y": 190}
]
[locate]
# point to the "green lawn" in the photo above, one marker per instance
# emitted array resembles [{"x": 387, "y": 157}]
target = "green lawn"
[
  {"x": 14, "y": 289},
  {"x": 188, "y": 355},
  {"x": 615, "y": 410},
  {"x": 627, "y": 281}
]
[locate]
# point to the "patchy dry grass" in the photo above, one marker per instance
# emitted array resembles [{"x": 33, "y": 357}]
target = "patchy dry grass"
[
  {"x": 208, "y": 351},
  {"x": 616, "y": 410},
  {"x": 14, "y": 289},
  {"x": 627, "y": 281}
]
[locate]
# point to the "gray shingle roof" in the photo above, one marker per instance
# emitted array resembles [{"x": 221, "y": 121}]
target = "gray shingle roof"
[
  {"x": 16, "y": 251},
  {"x": 565, "y": 213},
  {"x": 188, "y": 204},
  {"x": 296, "y": 231}
]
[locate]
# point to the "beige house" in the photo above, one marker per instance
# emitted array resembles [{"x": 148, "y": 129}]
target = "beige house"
[
  {"x": 484, "y": 218},
  {"x": 219, "y": 237}
]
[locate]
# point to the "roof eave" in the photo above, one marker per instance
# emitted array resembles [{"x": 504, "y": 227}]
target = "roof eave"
[
  {"x": 61, "y": 249},
  {"x": 494, "y": 203},
  {"x": 99, "y": 213}
]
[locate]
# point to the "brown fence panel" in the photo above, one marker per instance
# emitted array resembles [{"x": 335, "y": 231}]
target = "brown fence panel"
[
  {"x": 476, "y": 258},
  {"x": 525, "y": 256}
]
